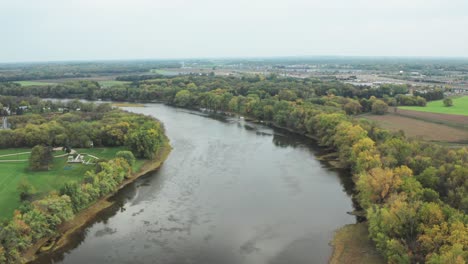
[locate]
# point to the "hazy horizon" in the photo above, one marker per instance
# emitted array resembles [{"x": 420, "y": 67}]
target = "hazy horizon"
[
  {"x": 58, "y": 31},
  {"x": 339, "y": 58}
]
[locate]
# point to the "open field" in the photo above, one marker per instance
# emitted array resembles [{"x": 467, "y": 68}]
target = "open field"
[
  {"x": 90, "y": 78},
  {"x": 460, "y": 107},
  {"x": 11, "y": 173},
  {"x": 105, "y": 82},
  {"x": 351, "y": 245},
  {"x": 31, "y": 83},
  {"x": 169, "y": 72},
  {"x": 110, "y": 83},
  {"x": 458, "y": 121},
  {"x": 420, "y": 128}
]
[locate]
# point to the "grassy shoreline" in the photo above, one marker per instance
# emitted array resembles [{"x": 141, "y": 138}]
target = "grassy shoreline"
[
  {"x": 351, "y": 245},
  {"x": 81, "y": 219}
]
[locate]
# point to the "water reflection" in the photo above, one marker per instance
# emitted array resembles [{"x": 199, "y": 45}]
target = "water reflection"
[{"x": 231, "y": 191}]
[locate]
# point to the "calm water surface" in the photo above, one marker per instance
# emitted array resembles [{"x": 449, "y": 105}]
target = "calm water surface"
[{"x": 230, "y": 192}]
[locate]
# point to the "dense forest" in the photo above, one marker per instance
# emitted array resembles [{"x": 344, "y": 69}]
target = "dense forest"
[
  {"x": 156, "y": 87},
  {"x": 46, "y": 124},
  {"x": 414, "y": 194},
  {"x": 58, "y": 70}
]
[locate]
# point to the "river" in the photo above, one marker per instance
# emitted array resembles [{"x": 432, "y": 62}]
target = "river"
[{"x": 231, "y": 191}]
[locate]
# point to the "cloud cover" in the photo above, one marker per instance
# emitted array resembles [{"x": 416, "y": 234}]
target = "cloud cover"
[{"x": 51, "y": 30}]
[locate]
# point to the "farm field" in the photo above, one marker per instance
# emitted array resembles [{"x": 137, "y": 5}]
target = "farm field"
[
  {"x": 12, "y": 173},
  {"x": 420, "y": 128},
  {"x": 32, "y": 83},
  {"x": 458, "y": 121},
  {"x": 460, "y": 107}
]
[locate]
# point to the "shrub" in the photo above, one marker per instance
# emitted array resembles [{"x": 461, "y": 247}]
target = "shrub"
[
  {"x": 448, "y": 102},
  {"x": 126, "y": 155}
]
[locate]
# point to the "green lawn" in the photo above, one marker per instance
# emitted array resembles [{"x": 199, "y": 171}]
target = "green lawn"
[
  {"x": 110, "y": 83},
  {"x": 11, "y": 173},
  {"x": 460, "y": 107},
  {"x": 18, "y": 156},
  {"x": 31, "y": 83}
]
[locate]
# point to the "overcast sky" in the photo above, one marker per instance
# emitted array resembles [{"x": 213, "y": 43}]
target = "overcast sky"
[{"x": 50, "y": 30}]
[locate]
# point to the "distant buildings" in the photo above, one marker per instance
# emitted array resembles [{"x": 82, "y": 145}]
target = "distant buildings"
[{"x": 456, "y": 91}]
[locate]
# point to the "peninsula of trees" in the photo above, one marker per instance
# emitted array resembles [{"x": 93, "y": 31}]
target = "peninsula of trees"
[{"x": 43, "y": 125}]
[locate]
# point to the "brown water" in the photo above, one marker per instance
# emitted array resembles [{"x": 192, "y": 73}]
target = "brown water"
[{"x": 230, "y": 192}]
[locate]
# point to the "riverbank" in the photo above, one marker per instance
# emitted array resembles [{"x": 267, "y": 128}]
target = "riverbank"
[
  {"x": 351, "y": 245},
  {"x": 80, "y": 220}
]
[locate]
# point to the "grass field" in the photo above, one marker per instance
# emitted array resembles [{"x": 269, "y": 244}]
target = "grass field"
[
  {"x": 460, "y": 107},
  {"x": 421, "y": 129},
  {"x": 11, "y": 173},
  {"x": 164, "y": 72},
  {"x": 31, "y": 83},
  {"x": 110, "y": 83}
]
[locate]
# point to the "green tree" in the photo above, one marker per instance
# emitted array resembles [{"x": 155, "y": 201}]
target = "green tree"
[
  {"x": 41, "y": 157},
  {"x": 448, "y": 102},
  {"x": 26, "y": 189},
  {"x": 57, "y": 208},
  {"x": 379, "y": 107},
  {"x": 183, "y": 98},
  {"x": 144, "y": 143},
  {"x": 126, "y": 155},
  {"x": 3, "y": 258},
  {"x": 376, "y": 186},
  {"x": 353, "y": 107}
]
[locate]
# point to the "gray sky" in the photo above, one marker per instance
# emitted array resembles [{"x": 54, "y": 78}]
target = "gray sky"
[{"x": 50, "y": 30}]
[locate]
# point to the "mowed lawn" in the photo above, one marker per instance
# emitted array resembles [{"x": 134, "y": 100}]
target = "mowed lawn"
[
  {"x": 460, "y": 107},
  {"x": 11, "y": 173},
  {"x": 32, "y": 83}
]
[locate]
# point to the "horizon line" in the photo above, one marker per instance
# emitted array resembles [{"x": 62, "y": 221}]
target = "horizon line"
[{"x": 239, "y": 58}]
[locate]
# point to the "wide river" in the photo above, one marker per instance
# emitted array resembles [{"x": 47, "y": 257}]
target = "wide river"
[{"x": 231, "y": 191}]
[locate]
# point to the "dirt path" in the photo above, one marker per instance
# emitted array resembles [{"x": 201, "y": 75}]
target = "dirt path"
[
  {"x": 22, "y": 153},
  {"x": 7, "y": 155}
]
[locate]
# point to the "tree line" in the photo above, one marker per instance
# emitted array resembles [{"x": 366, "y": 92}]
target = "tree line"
[
  {"x": 145, "y": 88},
  {"x": 80, "y": 125},
  {"x": 43, "y": 71}
]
